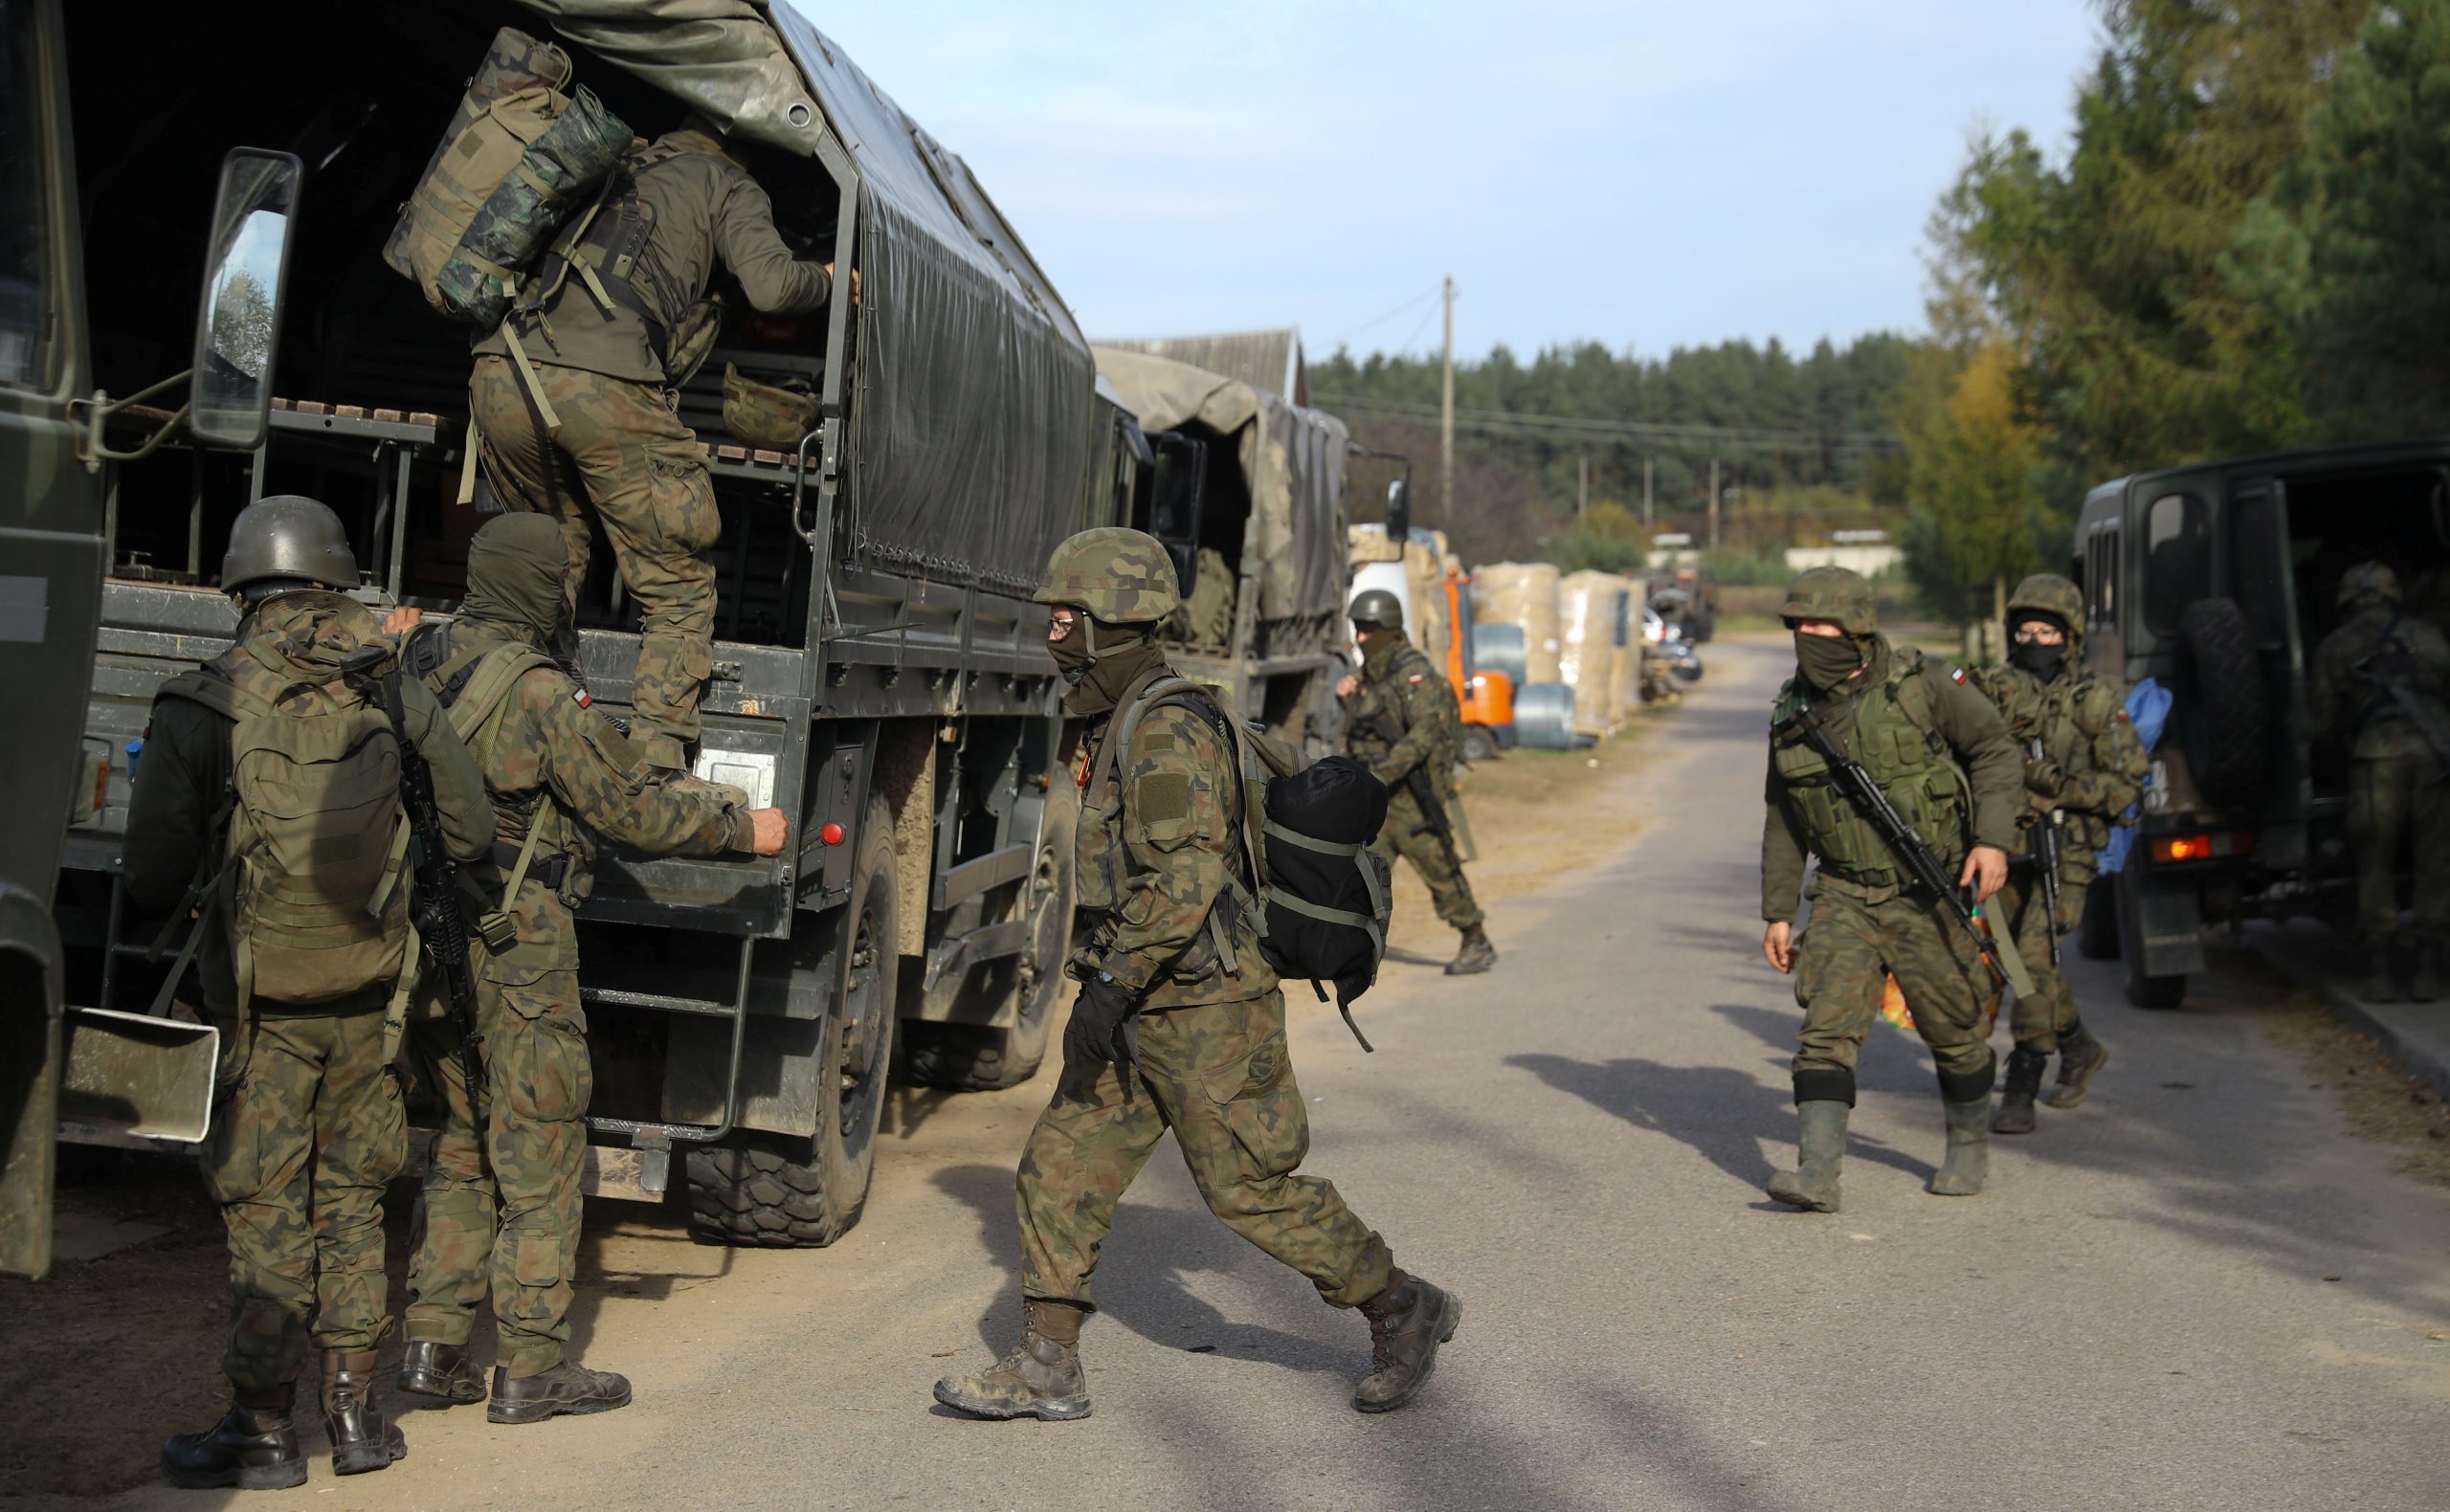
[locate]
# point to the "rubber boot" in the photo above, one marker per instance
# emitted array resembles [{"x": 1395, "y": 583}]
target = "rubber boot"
[
  {"x": 567, "y": 1388},
  {"x": 2425, "y": 987},
  {"x": 2022, "y": 1085},
  {"x": 1040, "y": 1377},
  {"x": 1476, "y": 956},
  {"x": 253, "y": 1447},
  {"x": 1968, "y": 1159},
  {"x": 361, "y": 1440},
  {"x": 1813, "y": 1186},
  {"x": 434, "y": 1368},
  {"x": 2080, "y": 1057},
  {"x": 1408, "y": 1321}
]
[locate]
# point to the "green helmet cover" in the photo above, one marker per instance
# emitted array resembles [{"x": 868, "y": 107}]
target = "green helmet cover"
[
  {"x": 1123, "y": 577},
  {"x": 1834, "y": 593},
  {"x": 2049, "y": 593}
]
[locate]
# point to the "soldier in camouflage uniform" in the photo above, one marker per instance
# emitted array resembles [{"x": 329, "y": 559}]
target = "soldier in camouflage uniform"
[
  {"x": 306, "y": 1123},
  {"x": 574, "y": 400},
  {"x": 2362, "y": 673},
  {"x": 560, "y": 773},
  {"x": 2083, "y": 766},
  {"x": 1938, "y": 750},
  {"x": 1402, "y": 722},
  {"x": 1179, "y": 1023}
]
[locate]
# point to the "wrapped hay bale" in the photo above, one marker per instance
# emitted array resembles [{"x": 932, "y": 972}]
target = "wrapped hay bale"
[
  {"x": 1522, "y": 593},
  {"x": 1626, "y": 665},
  {"x": 1425, "y": 575},
  {"x": 1587, "y": 609}
]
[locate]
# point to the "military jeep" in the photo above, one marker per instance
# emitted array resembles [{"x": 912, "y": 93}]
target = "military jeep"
[{"x": 2219, "y": 579}]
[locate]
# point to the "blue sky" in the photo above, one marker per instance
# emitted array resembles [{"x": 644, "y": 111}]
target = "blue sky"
[{"x": 1647, "y": 175}]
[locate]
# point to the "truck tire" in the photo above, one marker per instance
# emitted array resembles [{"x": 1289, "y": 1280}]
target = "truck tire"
[
  {"x": 2142, "y": 991},
  {"x": 2223, "y": 709},
  {"x": 977, "y": 1058},
  {"x": 2097, "y": 930},
  {"x": 1480, "y": 744},
  {"x": 785, "y": 1193}
]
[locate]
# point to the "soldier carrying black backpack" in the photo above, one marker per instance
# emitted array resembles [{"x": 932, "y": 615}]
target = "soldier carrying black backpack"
[{"x": 269, "y": 811}]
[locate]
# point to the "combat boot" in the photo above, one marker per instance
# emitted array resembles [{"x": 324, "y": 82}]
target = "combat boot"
[
  {"x": 1968, "y": 1165},
  {"x": 1041, "y": 1377},
  {"x": 2425, "y": 987},
  {"x": 565, "y": 1388},
  {"x": 1476, "y": 956},
  {"x": 1408, "y": 1321},
  {"x": 1821, "y": 1141},
  {"x": 2022, "y": 1085},
  {"x": 361, "y": 1440},
  {"x": 2080, "y": 1057},
  {"x": 253, "y": 1447},
  {"x": 434, "y": 1368}
]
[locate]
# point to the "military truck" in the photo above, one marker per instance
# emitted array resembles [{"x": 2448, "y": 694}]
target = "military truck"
[
  {"x": 2220, "y": 580},
  {"x": 879, "y": 670},
  {"x": 1246, "y": 489}
]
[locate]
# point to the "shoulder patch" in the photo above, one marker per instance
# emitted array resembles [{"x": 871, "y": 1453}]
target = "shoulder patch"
[
  {"x": 1161, "y": 797},
  {"x": 1414, "y": 677},
  {"x": 2124, "y": 718},
  {"x": 1957, "y": 674},
  {"x": 582, "y": 698}
]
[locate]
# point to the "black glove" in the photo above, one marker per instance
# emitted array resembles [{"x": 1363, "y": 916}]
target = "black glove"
[{"x": 1101, "y": 1029}]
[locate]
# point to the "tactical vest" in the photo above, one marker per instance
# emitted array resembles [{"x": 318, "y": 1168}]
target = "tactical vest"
[
  {"x": 1895, "y": 738},
  {"x": 472, "y": 680},
  {"x": 1375, "y": 729},
  {"x": 309, "y": 879}
]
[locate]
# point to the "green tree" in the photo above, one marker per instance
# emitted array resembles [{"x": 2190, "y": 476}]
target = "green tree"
[{"x": 1971, "y": 462}]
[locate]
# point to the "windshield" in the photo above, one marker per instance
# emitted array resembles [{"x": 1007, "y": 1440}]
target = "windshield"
[{"x": 25, "y": 265}]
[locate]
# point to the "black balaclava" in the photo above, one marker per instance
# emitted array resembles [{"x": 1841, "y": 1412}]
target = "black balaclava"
[
  {"x": 1100, "y": 661},
  {"x": 2045, "y": 662},
  {"x": 1828, "y": 660}
]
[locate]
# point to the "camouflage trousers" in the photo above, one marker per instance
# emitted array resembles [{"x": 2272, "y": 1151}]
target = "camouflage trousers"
[
  {"x": 2041, "y": 1017},
  {"x": 1221, "y": 1077},
  {"x": 621, "y": 450},
  {"x": 506, "y": 1219},
  {"x": 1433, "y": 857},
  {"x": 1843, "y": 961},
  {"x": 303, "y": 1138},
  {"x": 2394, "y": 804}
]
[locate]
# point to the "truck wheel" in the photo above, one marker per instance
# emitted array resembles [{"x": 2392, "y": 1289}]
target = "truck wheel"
[
  {"x": 785, "y": 1193},
  {"x": 977, "y": 1058},
  {"x": 2097, "y": 930},
  {"x": 1478, "y": 743},
  {"x": 2223, "y": 709}
]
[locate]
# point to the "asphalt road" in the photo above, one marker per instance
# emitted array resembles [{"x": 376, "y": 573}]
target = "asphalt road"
[{"x": 2197, "y": 1291}]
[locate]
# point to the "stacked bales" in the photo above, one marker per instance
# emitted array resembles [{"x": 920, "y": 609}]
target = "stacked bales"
[
  {"x": 1524, "y": 595},
  {"x": 1587, "y": 605}
]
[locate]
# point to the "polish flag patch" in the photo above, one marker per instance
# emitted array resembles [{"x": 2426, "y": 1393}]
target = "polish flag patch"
[
  {"x": 1956, "y": 674},
  {"x": 582, "y": 698}
]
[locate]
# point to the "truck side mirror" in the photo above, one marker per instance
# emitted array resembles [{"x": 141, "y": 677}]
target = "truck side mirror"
[
  {"x": 1399, "y": 513},
  {"x": 237, "y": 328}
]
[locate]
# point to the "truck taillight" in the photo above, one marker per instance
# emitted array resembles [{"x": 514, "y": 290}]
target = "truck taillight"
[{"x": 2168, "y": 848}]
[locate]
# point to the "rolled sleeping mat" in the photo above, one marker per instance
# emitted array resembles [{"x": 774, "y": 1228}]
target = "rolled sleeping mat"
[
  {"x": 1544, "y": 716},
  {"x": 1498, "y": 648}
]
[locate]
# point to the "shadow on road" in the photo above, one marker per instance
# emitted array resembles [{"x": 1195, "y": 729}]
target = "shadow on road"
[{"x": 1724, "y": 1115}]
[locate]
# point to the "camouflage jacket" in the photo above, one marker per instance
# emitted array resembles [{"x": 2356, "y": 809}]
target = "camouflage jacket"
[
  {"x": 552, "y": 762},
  {"x": 1403, "y": 715},
  {"x": 702, "y": 205},
  {"x": 1964, "y": 723},
  {"x": 1164, "y": 907},
  {"x": 2346, "y": 689},
  {"x": 2090, "y": 765},
  {"x": 184, "y": 776}
]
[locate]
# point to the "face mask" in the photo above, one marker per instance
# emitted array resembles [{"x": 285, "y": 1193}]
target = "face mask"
[
  {"x": 2042, "y": 661},
  {"x": 1072, "y": 654},
  {"x": 1827, "y": 660}
]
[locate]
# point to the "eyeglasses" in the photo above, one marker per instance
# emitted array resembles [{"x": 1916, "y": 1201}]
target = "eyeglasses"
[
  {"x": 2029, "y": 634},
  {"x": 1060, "y": 623}
]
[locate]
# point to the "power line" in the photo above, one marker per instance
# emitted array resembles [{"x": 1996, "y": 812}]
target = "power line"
[
  {"x": 1428, "y": 293},
  {"x": 1528, "y": 424}
]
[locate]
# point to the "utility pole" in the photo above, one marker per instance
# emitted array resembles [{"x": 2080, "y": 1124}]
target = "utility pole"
[
  {"x": 1714, "y": 504},
  {"x": 1446, "y": 419},
  {"x": 1582, "y": 495},
  {"x": 1648, "y": 464}
]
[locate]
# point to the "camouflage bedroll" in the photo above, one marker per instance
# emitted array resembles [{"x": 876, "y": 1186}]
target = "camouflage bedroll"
[
  {"x": 521, "y": 158},
  {"x": 775, "y": 414}
]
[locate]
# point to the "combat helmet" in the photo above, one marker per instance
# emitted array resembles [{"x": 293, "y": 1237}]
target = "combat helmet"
[
  {"x": 1123, "y": 577},
  {"x": 1836, "y": 593},
  {"x": 290, "y": 537},
  {"x": 1376, "y": 609},
  {"x": 2368, "y": 579},
  {"x": 2049, "y": 593}
]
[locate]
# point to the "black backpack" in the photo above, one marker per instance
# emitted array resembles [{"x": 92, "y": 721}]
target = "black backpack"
[{"x": 1323, "y": 892}]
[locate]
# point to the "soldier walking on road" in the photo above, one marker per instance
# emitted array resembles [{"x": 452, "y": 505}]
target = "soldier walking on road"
[
  {"x": 574, "y": 395},
  {"x": 1939, "y": 753},
  {"x": 1402, "y": 720},
  {"x": 270, "y": 810},
  {"x": 1179, "y": 1022},
  {"x": 560, "y": 773},
  {"x": 2378, "y": 687},
  {"x": 2082, "y": 767}
]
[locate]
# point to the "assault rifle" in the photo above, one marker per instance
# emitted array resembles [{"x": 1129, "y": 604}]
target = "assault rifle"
[
  {"x": 1863, "y": 795},
  {"x": 2387, "y": 669},
  {"x": 441, "y": 923},
  {"x": 2046, "y": 852},
  {"x": 1433, "y": 812}
]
